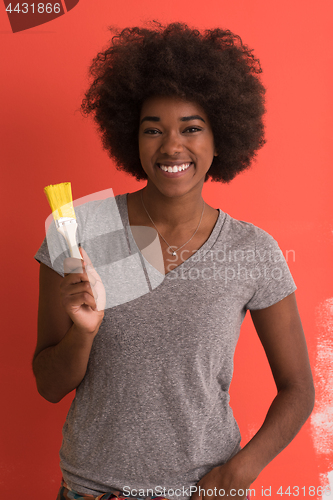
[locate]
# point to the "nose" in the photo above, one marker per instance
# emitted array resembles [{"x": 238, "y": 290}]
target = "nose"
[{"x": 171, "y": 144}]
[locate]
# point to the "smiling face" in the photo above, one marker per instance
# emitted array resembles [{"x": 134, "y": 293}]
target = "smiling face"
[{"x": 176, "y": 145}]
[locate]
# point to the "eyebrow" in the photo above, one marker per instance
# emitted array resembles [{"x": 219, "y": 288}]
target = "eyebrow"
[{"x": 182, "y": 119}]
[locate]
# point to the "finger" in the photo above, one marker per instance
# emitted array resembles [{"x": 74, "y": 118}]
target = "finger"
[
  {"x": 76, "y": 287},
  {"x": 72, "y": 265},
  {"x": 88, "y": 266},
  {"x": 80, "y": 299},
  {"x": 92, "y": 278},
  {"x": 95, "y": 294},
  {"x": 85, "y": 282},
  {"x": 74, "y": 278},
  {"x": 86, "y": 257}
]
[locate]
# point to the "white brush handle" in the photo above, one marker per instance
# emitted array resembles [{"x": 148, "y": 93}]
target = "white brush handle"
[{"x": 68, "y": 230}]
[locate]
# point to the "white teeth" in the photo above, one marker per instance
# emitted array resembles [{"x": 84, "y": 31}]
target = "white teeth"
[{"x": 175, "y": 168}]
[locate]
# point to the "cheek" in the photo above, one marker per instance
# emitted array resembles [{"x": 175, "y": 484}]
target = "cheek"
[
  {"x": 143, "y": 151},
  {"x": 208, "y": 152},
  {"x": 146, "y": 150},
  {"x": 207, "y": 145}
]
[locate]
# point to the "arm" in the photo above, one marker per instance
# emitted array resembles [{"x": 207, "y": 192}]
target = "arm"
[
  {"x": 68, "y": 321},
  {"x": 280, "y": 331}
]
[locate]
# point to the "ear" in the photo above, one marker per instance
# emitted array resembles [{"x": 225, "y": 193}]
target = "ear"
[{"x": 215, "y": 153}]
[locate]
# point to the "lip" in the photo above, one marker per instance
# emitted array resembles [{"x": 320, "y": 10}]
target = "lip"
[{"x": 171, "y": 164}]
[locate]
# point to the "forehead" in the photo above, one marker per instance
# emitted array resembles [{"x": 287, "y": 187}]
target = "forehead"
[{"x": 171, "y": 107}]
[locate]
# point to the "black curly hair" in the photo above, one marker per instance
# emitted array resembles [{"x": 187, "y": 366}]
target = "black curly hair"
[{"x": 213, "y": 68}]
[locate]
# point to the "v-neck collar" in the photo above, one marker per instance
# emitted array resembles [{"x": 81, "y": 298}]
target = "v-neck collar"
[{"x": 195, "y": 257}]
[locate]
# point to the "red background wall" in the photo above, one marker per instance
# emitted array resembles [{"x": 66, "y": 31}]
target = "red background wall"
[{"x": 288, "y": 193}]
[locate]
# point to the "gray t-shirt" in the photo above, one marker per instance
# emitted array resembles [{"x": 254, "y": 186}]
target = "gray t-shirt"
[{"x": 153, "y": 408}]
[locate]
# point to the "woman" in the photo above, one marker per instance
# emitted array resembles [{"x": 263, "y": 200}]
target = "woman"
[{"x": 151, "y": 416}]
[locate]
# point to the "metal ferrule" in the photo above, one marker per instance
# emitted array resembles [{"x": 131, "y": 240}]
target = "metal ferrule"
[{"x": 63, "y": 221}]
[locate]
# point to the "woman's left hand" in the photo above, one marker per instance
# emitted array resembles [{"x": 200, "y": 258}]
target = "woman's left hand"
[{"x": 229, "y": 480}]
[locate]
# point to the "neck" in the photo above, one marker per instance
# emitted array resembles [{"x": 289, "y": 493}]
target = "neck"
[{"x": 172, "y": 211}]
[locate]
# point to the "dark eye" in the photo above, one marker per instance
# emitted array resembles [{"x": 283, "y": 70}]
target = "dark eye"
[
  {"x": 151, "y": 131},
  {"x": 192, "y": 129}
]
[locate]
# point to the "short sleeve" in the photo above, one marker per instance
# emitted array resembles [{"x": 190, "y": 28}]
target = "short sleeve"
[
  {"x": 56, "y": 243},
  {"x": 95, "y": 219},
  {"x": 274, "y": 280}
]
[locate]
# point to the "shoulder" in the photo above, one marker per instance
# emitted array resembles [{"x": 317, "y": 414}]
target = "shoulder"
[
  {"x": 98, "y": 203},
  {"x": 240, "y": 232},
  {"x": 100, "y": 213}
]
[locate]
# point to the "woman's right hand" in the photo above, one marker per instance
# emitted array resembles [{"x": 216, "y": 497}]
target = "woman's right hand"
[{"x": 83, "y": 294}]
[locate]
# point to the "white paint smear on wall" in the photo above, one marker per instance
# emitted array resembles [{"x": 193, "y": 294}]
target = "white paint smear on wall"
[{"x": 322, "y": 416}]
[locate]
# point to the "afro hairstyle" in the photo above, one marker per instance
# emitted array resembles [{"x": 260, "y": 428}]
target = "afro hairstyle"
[{"x": 212, "y": 68}]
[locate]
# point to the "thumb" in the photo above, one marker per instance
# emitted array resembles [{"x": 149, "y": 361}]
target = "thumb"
[
  {"x": 89, "y": 268},
  {"x": 85, "y": 257}
]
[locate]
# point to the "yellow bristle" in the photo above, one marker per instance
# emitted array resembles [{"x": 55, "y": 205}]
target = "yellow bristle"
[{"x": 60, "y": 199}]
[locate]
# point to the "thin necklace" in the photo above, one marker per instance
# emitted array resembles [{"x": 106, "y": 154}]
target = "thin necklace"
[{"x": 169, "y": 246}]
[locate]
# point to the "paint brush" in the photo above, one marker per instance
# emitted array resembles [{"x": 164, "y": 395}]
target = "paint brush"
[{"x": 60, "y": 199}]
